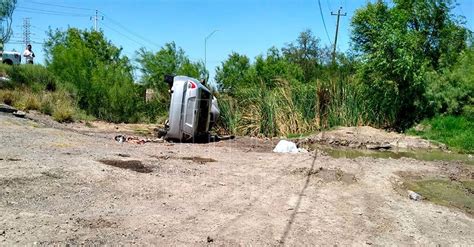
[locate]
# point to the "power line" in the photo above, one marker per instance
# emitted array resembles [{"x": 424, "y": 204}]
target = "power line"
[
  {"x": 39, "y": 29},
  {"x": 324, "y": 22},
  {"x": 59, "y": 6},
  {"x": 124, "y": 35},
  {"x": 44, "y": 12},
  {"x": 49, "y": 11},
  {"x": 20, "y": 42},
  {"x": 129, "y": 31}
]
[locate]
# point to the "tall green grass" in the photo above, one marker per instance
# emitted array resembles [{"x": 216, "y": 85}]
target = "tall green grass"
[
  {"x": 291, "y": 108},
  {"x": 455, "y": 131}
]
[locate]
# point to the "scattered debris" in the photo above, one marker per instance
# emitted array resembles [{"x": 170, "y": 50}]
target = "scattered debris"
[
  {"x": 136, "y": 139},
  {"x": 286, "y": 147},
  {"x": 414, "y": 196},
  {"x": 120, "y": 138},
  {"x": 209, "y": 239}
]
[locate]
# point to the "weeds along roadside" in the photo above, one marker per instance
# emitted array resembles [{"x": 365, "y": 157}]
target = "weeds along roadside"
[{"x": 293, "y": 107}]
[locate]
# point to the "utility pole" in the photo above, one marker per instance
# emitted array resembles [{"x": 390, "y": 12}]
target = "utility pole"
[
  {"x": 337, "y": 31},
  {"x": 26, "y": 31},
  {"x": 96, "y": 18}
]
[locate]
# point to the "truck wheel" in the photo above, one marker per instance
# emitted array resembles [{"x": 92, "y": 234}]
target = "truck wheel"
[{"x": 8, "y": 61}]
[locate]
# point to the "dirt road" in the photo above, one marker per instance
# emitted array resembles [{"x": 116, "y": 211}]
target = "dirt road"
[{"x": 59, "y": 186}]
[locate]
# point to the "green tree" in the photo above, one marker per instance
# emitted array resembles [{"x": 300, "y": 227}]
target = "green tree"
[
  {"x": 452, "y": 90},
  {"x": 274, "y": 66},
  {"x": 6, "y": 12},
  {"x": 95, "y": 71},
  {"x": 169, "y": 60},
  {"x": 398, "y": 45},
  {"x": 305, "y": 52},
  {"x": 233, "y": 73}
]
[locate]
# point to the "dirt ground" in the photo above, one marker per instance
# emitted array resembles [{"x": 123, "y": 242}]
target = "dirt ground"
[{"x": 66, "y": 185}]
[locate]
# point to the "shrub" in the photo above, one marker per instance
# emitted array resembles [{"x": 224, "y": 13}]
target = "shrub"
[
  {"x": 47, "y": 104},
  {"x": 35, "y": 76},
  {"x": 468, "y": 112},
  {"x": 455, "y": 131},
  {"x": 3, "y": 69},
  {"x": 63, "y": 113},
  {"x": 32, "y": 101},
  {"x": 8, "y": 97},
  {"x": 450, "y": 90}
]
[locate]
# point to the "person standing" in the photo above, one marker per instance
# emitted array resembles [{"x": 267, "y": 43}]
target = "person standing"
[{"x": 29, "y": 54}]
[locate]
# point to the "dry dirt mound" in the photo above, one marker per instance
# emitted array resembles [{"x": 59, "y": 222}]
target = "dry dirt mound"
[{"x": 369, "y": 138}]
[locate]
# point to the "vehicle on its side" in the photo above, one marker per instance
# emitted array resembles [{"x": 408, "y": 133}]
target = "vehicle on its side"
[
  {"x": 192, "y": 113},
  {"x": 10, "y": 57}
]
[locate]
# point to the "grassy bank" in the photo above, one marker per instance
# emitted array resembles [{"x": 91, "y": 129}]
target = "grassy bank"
[
  {"x": 455, "y": 131},
  {"x": 57, "y": 104},
  {"x": 447, "y": 193}
]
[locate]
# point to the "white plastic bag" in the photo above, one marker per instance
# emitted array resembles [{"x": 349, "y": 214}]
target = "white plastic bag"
[{"x": 286, "y": 147}]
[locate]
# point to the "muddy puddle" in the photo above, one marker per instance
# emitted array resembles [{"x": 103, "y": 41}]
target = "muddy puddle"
[
  {"x": 425, "y": 155},
  {"x": 326, "y": 175},
  {"x": 134, "y": 165}
]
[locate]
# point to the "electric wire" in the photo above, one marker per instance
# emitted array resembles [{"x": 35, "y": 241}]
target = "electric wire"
[
  {"x": 124, "y": 35},
  {"x": 118, "y": 24},
  {"x": 59, "y": 6},
  {"x": 324, "y": 22},
  {"x": 135, "y": 35},
  {"x": 49, "y": 11}
]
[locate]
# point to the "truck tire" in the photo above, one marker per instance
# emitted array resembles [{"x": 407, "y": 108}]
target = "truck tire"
[{"x": 8, "y": 61}]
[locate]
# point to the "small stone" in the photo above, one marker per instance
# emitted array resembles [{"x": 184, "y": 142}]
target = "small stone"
[
  {"x": 209, "y": 239},
  {"x": 20, "y": 114},
  {"x": 2, "y": 232},
  {"x": 414, "y": 196}
]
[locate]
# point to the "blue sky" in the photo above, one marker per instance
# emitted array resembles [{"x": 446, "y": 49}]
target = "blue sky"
[{"x": 249, "y": 27}]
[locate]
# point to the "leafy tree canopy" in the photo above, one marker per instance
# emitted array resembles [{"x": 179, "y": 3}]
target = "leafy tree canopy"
[
  {"x": 6, "y": 11},
  {"x": 169, "y": 60}
]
